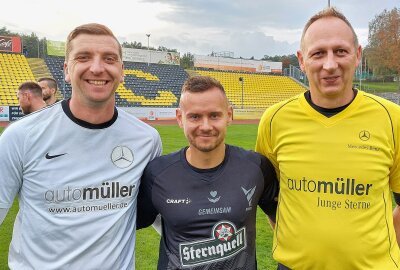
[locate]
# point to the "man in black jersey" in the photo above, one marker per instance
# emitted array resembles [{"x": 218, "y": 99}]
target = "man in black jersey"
[{"x": 207, "y": 193}]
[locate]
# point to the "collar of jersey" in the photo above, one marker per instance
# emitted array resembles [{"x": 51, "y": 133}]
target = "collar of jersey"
[
  {"x": 196, "y": 173},
  {"x": 82, "y": 123},
  {"x": 330, "y": 121}
]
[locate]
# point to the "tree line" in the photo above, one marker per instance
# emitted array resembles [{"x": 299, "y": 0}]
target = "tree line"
[{"x": 383, "y": 49}]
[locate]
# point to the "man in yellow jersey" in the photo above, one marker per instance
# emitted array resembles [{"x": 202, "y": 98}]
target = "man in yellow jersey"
[{"x": 336, "y": 153}]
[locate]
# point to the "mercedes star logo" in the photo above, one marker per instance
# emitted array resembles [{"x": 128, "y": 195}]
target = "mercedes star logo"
[
  {"x": 122, "y": 156},
  {"x": 364, "y": 135}
]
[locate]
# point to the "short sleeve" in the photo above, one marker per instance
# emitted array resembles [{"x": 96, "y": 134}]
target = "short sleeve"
[{"x": 11, "y": 167}]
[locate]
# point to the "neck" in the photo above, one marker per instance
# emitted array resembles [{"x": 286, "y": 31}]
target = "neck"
[
  {"x": 40, "y": 104},
  {"x": 92, "y": 113},
  {"x": 51, "y": 100},
  {"x": 205, "y": 160},
  {"x": 333, "y": 101}
]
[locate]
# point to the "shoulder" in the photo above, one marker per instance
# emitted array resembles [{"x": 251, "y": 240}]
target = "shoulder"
[
  {"x": 382, "y": 102},
  {"x": 278, "y": 108},
  {"x": 252, "y": 160},
  {"x": 162, "y": 163},
  {"x": 244, "y": 155},
  {"x": 132, "y": 123},
  {"x": 33, "y": 122}
]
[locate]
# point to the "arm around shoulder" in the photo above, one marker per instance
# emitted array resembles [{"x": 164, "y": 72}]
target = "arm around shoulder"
[
  {"x": 396, "y": 222},
  {"x": 146, "y": 212},
  {"x": 269, "y": 200},
  {"x": 396, "y": 216}
]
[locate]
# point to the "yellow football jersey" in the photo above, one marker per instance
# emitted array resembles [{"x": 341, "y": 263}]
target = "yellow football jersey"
[{"x": 336, "y": 176}]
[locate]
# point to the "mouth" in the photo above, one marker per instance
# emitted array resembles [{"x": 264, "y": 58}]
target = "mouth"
[
  {"x": 331, "y": 79},
  {"x": 206, "y": 136},
  {"x": 97, "y": 82}
]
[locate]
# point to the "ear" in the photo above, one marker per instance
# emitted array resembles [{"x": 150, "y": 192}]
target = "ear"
[
  {"x": 301, "y": 60},
  {"x": 66, "y": 73},
  {"x": 178, "y": 114},
  {"x": 230, "y": 115},
  {"x": 28, "y": 95},
  {"x": 359, "y": 55},
  {"x": 123, "y": 74}
]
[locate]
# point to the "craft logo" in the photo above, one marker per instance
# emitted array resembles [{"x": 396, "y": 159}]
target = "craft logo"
[
  {"x": 178, "y": 201},
  {"x": 225, "y": 242}
]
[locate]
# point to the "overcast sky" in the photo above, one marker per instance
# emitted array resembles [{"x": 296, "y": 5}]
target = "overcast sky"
[{"x": 245, "y": 27}]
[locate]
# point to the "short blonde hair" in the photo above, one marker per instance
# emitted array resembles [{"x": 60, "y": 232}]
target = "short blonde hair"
[
  {"x": 328, "y": 12},
  {"x": 90, "y": 29}
]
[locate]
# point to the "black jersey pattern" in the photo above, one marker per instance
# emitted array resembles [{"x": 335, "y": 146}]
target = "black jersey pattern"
[{"x": 208, "y": 221}]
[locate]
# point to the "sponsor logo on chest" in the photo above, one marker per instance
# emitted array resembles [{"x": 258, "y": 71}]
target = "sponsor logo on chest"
[{"x": 226, "y": 241}]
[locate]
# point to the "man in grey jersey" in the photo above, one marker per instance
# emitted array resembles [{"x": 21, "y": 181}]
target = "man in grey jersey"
[
  {"x": 207, "y": 193},
  {"x": 76, "y": 167},
  {"x": 29, "y": 96}
]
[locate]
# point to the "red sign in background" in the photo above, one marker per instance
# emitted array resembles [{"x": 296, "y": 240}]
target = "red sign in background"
[{"x": 10, "y": 44}]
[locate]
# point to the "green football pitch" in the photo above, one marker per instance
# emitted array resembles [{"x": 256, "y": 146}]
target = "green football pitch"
[{"x": 147, "y": 240}]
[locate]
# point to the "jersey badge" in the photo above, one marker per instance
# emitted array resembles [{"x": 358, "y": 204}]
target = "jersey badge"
[
  {"x": 249, "y": 196},
  {"x": 122, "y": 157},
  {"x": 214, "y": 197},
  {"x": 364, "y": 135},
  {"x": 226, "y": 241},
  {"x": 48, "y": 156}
]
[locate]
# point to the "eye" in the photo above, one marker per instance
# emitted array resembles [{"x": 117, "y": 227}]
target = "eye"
[
  {"x": 341, "y": 52},
  {"x": 82, "y": 58},
  {"x": 111, "y": 59},
  {"x": 193, "y": 117},
  {"x": 317, "y": 54},
  {"x": 214, "y": 116}
]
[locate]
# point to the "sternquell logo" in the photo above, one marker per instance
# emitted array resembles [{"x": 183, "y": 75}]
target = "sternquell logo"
[
  {"x": 122, "y": 157},
  {"x": 225, "y": 241},
  {"x": 364, "y": 135}
]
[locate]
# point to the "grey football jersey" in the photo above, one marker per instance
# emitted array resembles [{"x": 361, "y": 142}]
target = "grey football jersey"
[{"x": 77, "y": 185}]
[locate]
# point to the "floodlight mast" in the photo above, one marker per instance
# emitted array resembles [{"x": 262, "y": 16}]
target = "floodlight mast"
[{"x": 148, "y": 49}]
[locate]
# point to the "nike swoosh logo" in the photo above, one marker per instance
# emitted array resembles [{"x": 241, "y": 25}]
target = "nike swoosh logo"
[{"x": 53, "y": 156}]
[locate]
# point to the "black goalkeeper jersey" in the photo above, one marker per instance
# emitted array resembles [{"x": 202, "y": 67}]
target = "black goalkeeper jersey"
[{"x": 208, "y": 219}]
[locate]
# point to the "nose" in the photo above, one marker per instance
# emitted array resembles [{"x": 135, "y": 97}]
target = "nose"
[
  {"x": 330, "y": 63},
  {"x": 205, "y": 125},
  {"x": 97, "y": 65}
]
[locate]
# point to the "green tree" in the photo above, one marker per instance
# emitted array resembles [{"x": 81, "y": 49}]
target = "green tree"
[
  {"x": 383, "y": 49},
  {"x": 287, "y": 60},
  {"x": 165, "y": 49},
  {"x": 133, "y": 45},
  {"x": 32, "y": 45},
  {"x": 187, "y": 60},
  {"x": 5, "y": 32}
]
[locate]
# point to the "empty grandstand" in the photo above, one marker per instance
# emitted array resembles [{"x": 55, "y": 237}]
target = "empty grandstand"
[
  {"x": 14, "y": 70},
  {"x": 255, "y": 90},
  {"x": 153, "y": 85}
]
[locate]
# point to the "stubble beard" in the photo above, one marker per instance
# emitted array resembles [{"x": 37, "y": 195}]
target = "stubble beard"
[{"x": 206, "y": 148}]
